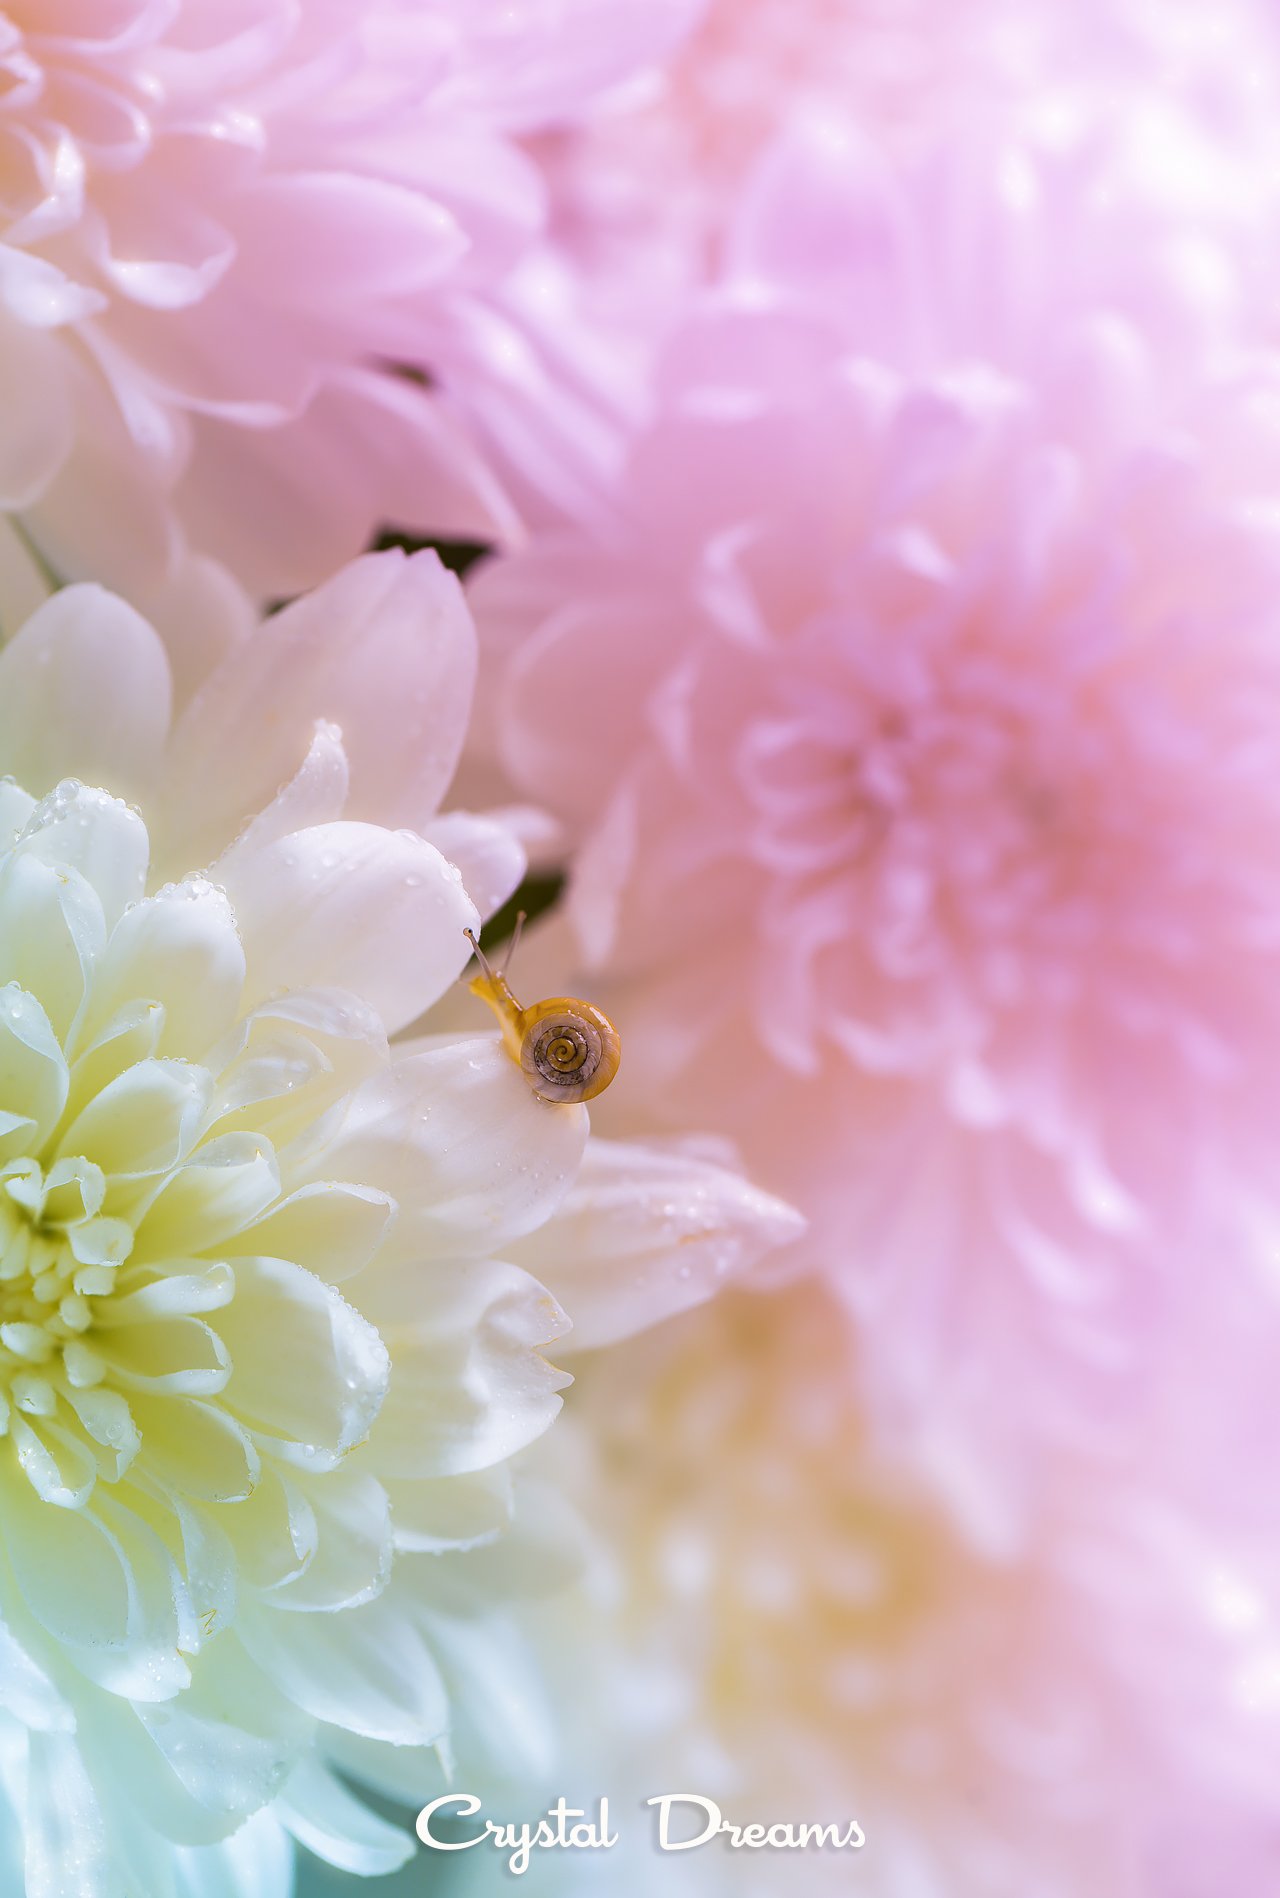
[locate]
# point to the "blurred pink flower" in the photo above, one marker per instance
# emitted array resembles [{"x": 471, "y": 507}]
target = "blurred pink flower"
[
  {"x": 643, "y": 186},
  {"x": 791, "y": 1626},
  {"x": 915, "y": 707},
  {"x": 222, "y": 220}
]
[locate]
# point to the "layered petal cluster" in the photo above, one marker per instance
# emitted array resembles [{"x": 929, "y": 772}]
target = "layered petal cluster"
[
  {"x": 915, "y": 712},
  {"x": 793, "y": 1628},
  {"x": 265, "y": 1347},
  {"x": 644, "y": 188},
  {"x": 220, "y": 224},
  {"x": 901, "y": 73}
]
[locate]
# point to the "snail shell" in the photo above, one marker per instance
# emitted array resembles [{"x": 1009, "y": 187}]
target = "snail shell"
[{"x": 569, "y": 1050}]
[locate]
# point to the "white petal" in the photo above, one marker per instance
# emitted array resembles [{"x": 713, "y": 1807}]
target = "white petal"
[
  {"x": 369, "y": 1670},
  {"x": 26, "y": 1691},
  {"x": 385, "y": 651},
  {"x": 295, "y": 1056},
  {"x": 227, "y": 1183},
  {"x": 176, "y": 1294},
  {"x": 273, "y": 1532},
  {"x": 51, "y": 930},
  {"x": 350, "y": 906},
  {"x": 450, "y": 1512},
  {"x": 353, "y": 1556},
  {"x": 501, "y": 1709},
  {"x": 109, "y": 1422},
  {"x": 332, "y": 1228},
  {"x": 226, "y": 1765},
  {"x": 16, "y": 806},
  {"x": 319, "y": 1396},
  {"x": 145, "y": 1122},
  {"x": 646, "y": 1232},
  {"x": 490, "y": 857},
  {"x": 325, "y": 1817},
  {"x": 470, "y": 1155},
  {"x": 66, "y": 1840},
  {"x": 469, "y": 1386},
  {"x": 132, "y": 1035},
  {"x": 33, "y": 1074},
  {"x": 81, "y": 828},
  {"x": 316, "y": 794},
  {"x": 57, "y": 1465},
  {"x": 179, "y": 948},
  {"x": 196, "y": 1449},
  {"x": 182, "y": 1357},
  {"x": 84, "y": 692},
  {"x": 257, "y": 1862},
  {"x": 202, "y": 614},
  {"x": 99, "y": 1582},
  {"x": 195, "y": 1765}
]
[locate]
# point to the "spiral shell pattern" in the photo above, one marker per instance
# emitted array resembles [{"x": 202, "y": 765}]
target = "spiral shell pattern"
[{"x": 569, "y": 1052}]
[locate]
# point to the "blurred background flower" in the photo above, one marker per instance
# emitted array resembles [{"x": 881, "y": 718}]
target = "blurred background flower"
[
  {"x": 788, "y": 1624},
  {"x": 224, "y": 222},
  {"x": 923, "y": 775}
]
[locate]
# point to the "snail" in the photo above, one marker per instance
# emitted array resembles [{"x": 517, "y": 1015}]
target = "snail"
[{"x": 567, "y": 1050}]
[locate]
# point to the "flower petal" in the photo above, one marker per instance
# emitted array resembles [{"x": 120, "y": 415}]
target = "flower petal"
[
  {"x": 107, "y": 1600},
  {"x": 227, "y": 1183},
  {"x": 472, "y": 1158},
  {"x": 315, "y": 794},
  {"x": 66, "y": 1840},
  {"x": 78, "y": 828},
  {"x": 144, "y": 1122},
  {"x": 181, "y": 1357},
  {"x": 353, "y": 1556},
  {"x": 196, "y": 1449},
  {"x": 489, "y": 856},
  {"x": 334, "y": 1227},
  {"x": 385, "y": 651},
  {"x": 469, "y": 1386},
  {"x": 450, "y": 1512},
  {"x": 648, "y": 1232},
  {"x": 369, "y": 1670},
  {"x": 33, "y": 1073},
  {"x": 84, "y": 690},
  {"x": 325, "y": 1817},
  {"x": 179, "y": 948},
  {"x": 51, "y": 929},
  {"x": 350, "y": 906},
  {"x": 319, "y": 1397}
]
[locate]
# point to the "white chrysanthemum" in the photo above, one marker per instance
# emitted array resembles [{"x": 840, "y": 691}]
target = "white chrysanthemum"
[{"x": 263, "y": 1350}]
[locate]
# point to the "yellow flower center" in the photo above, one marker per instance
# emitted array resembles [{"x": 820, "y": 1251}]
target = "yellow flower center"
[{"x": 58, "y": 1256}]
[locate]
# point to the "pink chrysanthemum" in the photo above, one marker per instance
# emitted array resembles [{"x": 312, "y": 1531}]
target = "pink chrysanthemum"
[
  {"x": 220, "y": 222},
  {"x": 900, "y": 70},
  {"x": 925, "y": 689},
  {"x": 643, "y": 189}
]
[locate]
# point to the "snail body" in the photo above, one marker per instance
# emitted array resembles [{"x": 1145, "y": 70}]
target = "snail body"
[{"x": 568, "y": 1050}]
